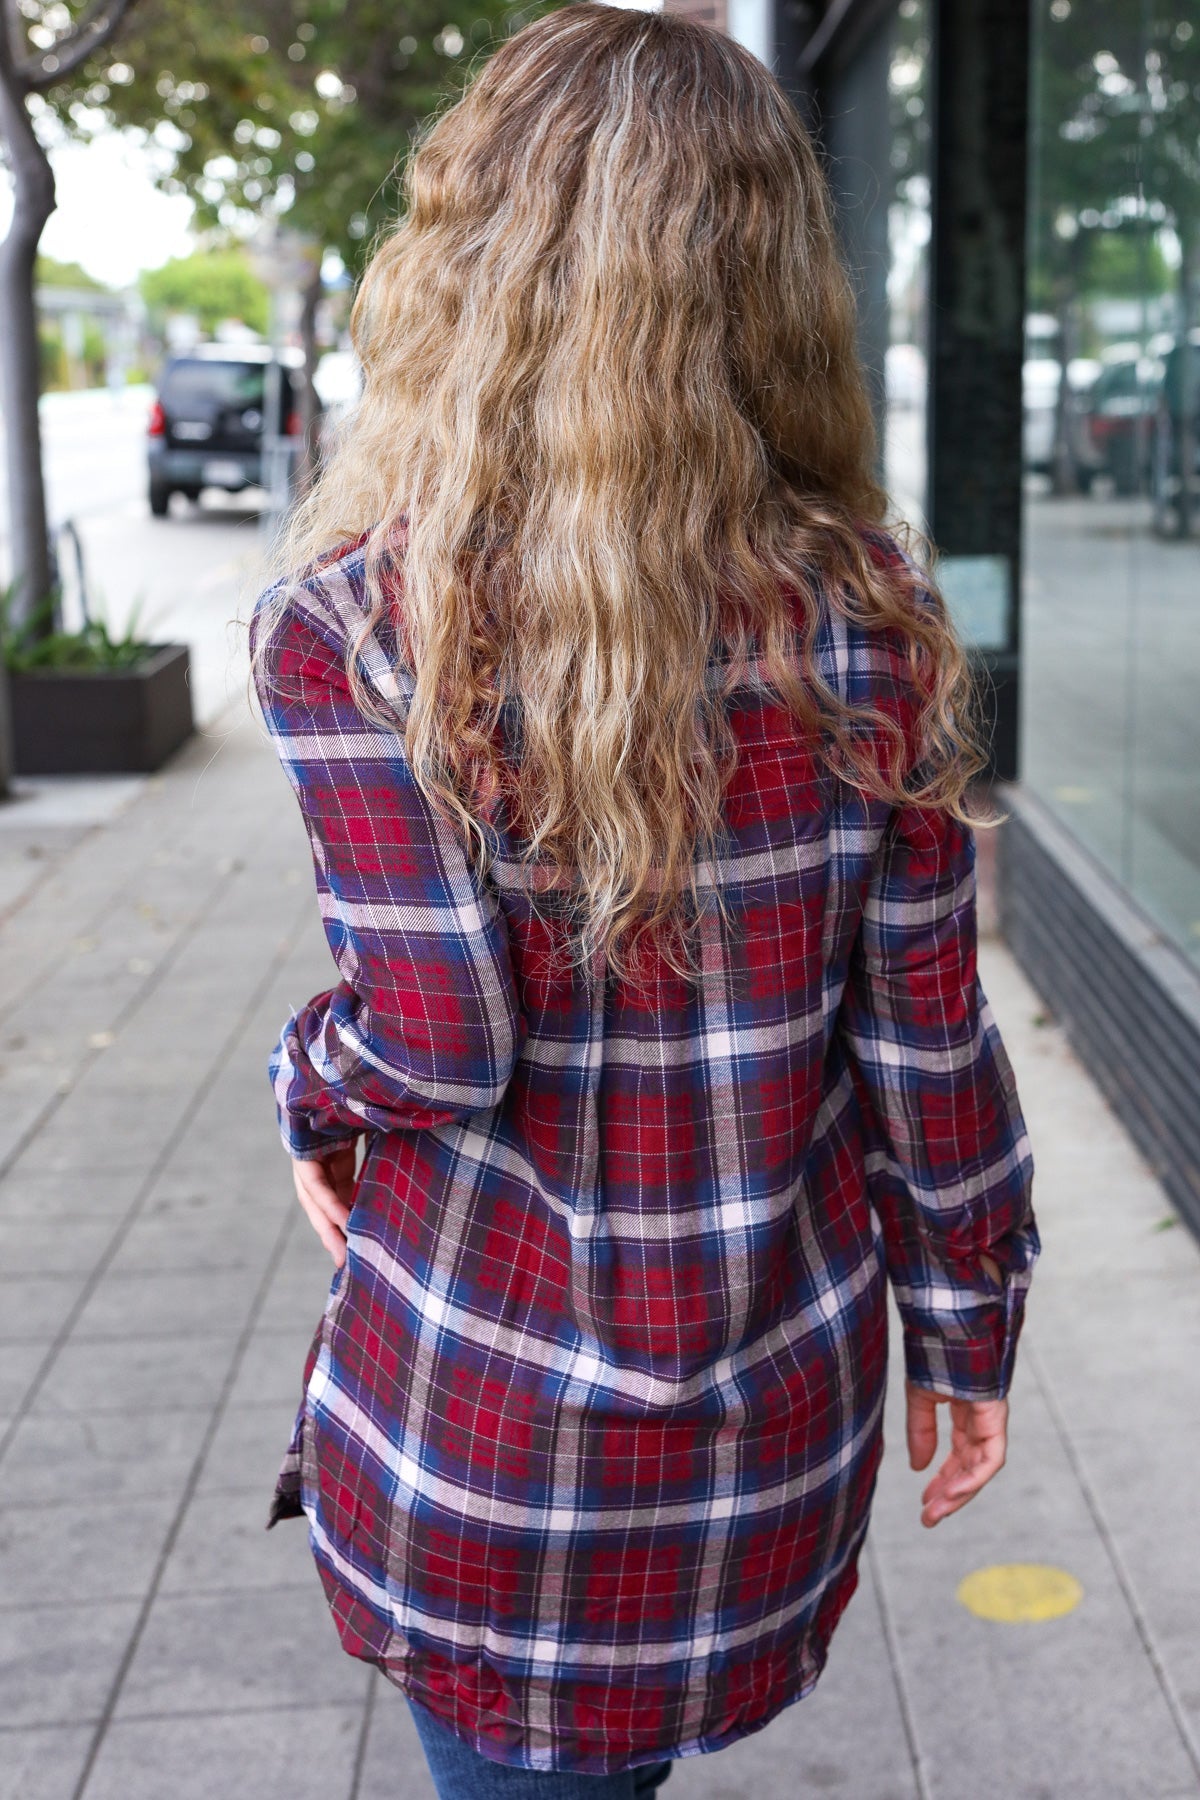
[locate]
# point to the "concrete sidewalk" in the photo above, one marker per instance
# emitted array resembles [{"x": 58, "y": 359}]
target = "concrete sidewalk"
[{"x": 160, "y": 1286}]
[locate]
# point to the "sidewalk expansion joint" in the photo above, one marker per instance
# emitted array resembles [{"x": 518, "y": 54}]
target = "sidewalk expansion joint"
[{"x": 1116, "y": 1562}]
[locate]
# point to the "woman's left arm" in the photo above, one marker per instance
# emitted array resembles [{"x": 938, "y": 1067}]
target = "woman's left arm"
[{"x": 424, "y": 1025}]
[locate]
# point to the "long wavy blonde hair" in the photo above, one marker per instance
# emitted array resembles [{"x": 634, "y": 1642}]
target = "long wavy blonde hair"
[{"x": 613, "y": 425}]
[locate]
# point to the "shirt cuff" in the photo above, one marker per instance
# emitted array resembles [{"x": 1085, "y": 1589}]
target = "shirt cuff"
[
  {"x": 303, "y": 1141},
  {"x": 969, "y": 1359},
  {"x": 305, "y": 1145}
]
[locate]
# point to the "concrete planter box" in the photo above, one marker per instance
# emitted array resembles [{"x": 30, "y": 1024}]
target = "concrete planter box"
[{"x": 105, "y": 721}]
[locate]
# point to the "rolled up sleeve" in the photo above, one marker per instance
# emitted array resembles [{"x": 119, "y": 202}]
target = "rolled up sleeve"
[
  {"x": 949, "y": 1164},
  {"x": 423, "y": 1026}
]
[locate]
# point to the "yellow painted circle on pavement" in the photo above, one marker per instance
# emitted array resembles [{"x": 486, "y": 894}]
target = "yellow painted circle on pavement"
[{"x": 1013, "y": 1592}]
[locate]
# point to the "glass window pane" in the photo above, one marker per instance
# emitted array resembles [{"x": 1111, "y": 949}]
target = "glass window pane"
[
  {"x": 1165, "y": 779},
  {"x": 1111, "y": 604},
  {"x": 904, "y": 453}
]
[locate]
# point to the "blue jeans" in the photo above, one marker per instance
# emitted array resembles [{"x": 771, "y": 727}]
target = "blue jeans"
[{"x": 460, "y": 1773}]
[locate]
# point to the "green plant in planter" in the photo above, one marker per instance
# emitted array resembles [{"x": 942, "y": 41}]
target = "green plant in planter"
[{"x": 38, "y": 643}]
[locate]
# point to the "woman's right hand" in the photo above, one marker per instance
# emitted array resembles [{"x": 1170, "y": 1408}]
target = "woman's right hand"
[
  {"x": 978, "y": 1447},
  {"x": 325, "y": 1189}
]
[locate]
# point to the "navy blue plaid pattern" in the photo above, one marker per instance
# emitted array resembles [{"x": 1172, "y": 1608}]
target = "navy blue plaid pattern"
[{"x": 590, "y": 1426}]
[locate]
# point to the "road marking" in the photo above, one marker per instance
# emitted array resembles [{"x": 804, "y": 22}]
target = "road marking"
[{"x": 1014, "y": 1592}]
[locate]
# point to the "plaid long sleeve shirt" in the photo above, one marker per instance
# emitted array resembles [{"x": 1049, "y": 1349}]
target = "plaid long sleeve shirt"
[{"x": 590, "y": 1425}]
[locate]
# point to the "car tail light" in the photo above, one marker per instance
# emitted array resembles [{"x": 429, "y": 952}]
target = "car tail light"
[
  {"x": 157, "y": 424},
  {"x": 294, "y": 426}
]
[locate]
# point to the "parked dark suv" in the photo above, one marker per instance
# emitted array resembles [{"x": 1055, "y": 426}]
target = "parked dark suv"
[{"x": 206, "y": 425}]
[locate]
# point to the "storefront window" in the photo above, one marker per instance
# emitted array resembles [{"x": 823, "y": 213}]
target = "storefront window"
[
  {"x": 908, "y": 226},
  {"x": 1111, "y": 603}
]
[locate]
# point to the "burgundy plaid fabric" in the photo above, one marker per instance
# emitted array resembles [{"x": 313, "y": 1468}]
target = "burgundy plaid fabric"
[{"x": 591, "y": 1423}]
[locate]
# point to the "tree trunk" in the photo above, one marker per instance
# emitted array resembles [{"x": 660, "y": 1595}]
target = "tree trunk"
[
  {"x": 33, "y": 202},
  {"x": 20, "y": 363},
  {"x": 20, "y": 384},
  {"x": 311, "y": 299}
]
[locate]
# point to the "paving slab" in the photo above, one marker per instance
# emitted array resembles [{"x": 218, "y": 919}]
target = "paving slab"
[
  {"x": 298, "y": 1289},
  {"x": 106, "y": 1550},
  {"x": 218, "y": 1243},
  {"x": 73, "y": 1459},
  {"x": 222, "y": 1547},
  {"x": 289, "y": 1753},
  {"x": 70, "y": 1141},
  {"x": 35, "y": 1308},
  {"x": 170, "y": 1302},
  {"x": 194, "y": 1185},
  {"x": 1138, "y": 1349},
  {"x": 1059, "y": 1707},
  {"x": 1152, "y": 1540},
  {"x": 19, "y": 1364},
  {"x": 227, "y": 1652},
  {"x": 55, "y": 1199},
  {"x": 40, "y": 1246},
  {"x": 246, "y": 1451},
  {"x": 1091, "y": 1704},
  {"x": 89, "y": 1378},
  {"x": 43, "y": 1762},
  {"x": 94, "y": 886},
  {"x": 57, "y": 1662},
  {"x": 271, "y": 1369}
]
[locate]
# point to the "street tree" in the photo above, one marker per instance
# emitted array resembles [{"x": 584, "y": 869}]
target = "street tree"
[
  {"x": 212, "y": 285},
  {"x": 300, "y": 111},
  {"x": 40, "y": 47},
  {"x": 50, "y": 273},
  {"x": 257, "y": 107}
]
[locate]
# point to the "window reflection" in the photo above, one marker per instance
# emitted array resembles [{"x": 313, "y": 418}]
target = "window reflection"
[
  {"x": 1112, "y": 443},
  {"x": 904, "y": 451}
]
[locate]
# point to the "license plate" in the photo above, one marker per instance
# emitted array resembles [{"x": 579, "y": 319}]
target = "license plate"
[{"x": 221, "y": 474}]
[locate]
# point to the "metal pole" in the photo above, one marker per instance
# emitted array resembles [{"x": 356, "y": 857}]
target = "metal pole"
[{"x": 276, "y": 443}]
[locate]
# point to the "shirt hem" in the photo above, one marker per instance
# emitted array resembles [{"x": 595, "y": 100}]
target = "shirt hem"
[{"x": 551, "y": 1762}]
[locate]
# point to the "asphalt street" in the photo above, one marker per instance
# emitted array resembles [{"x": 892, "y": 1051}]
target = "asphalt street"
[{"x": 191, "y": 576}]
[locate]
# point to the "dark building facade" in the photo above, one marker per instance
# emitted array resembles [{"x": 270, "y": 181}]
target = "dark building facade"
[{"x": 1019, "y": 195}]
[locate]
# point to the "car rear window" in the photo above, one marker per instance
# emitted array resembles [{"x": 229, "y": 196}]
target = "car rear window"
[{"x": 207, "y": 384}]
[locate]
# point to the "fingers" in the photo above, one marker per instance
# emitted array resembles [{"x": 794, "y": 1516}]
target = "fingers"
[
  {"x": 330, "y": 1236},
  {"x": 955, "y": 1483},
  {"x": 979, "y": 1451},
  {"x": 326, "y": 1211},
  {"x": 922, "y": 1426}
]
